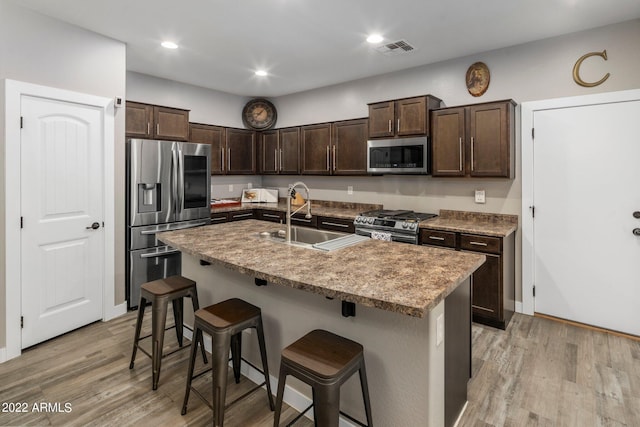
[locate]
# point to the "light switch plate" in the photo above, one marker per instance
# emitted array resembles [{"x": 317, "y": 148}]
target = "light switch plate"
[
  {"x": 439, "y": 330},
  {"x": 480, "y": 196},
  {"x": 230, "y": 188},
  {"x": 349, "y": 189}
]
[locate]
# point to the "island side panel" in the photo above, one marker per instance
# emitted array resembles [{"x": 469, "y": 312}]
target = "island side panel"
[{"x": 405, "y": 368}]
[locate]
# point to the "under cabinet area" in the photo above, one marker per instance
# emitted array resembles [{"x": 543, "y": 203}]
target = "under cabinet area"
[
  {"x": 155, "y": 122},
  {"x": 474, "y": 140},
  {"x": 401, "y": 117},
  {"x": 493, "y": 284}
]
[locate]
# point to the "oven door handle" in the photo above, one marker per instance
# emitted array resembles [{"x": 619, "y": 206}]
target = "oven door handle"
[{"x": 160, "y": 254}]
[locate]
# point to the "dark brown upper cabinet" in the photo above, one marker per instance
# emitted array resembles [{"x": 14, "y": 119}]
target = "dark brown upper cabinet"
[
  {"x": 156, "y": 122},
  {"x": 279, "y": 151},
  {"x": 401, "y": 117},
  {"x": 338, "y": 148},
  {"x": 349, "y": 147},
  {"x": 241, "y": 152},
  {"x": 233, "y": 151},
  {"x": 474, "y": 140},
  {"x": 214, "y": 136},
  {"x": 315, "y": 149}
]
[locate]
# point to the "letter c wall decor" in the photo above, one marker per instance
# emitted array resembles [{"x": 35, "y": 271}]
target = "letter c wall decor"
[{"x": 576, "y": 69}]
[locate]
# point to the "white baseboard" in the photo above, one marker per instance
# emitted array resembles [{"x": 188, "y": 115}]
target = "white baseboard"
[
  {"x": 115, "y": 311},
  {"x": 292, "y": 397},
  {"x": 3, "y": 354}
]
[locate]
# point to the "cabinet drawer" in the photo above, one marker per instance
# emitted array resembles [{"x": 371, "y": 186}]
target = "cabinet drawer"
[
  {"x": 299, "y": 219},
  {"x": 219, "y": 217},
  {"x": 438, "y": 238},
  {"x": 274, "y": 216},
  {"x": 470, "y": 242},
  {"x": 240, "y": 215},
  {"x": 336, "y": 224}
]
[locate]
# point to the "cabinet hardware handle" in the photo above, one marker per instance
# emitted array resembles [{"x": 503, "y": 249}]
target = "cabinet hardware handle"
[
  {"x": 460, "y": 154},
  {"x": 222, "y": 218},
  {"x": 160, "y": 254},
  {"x": 221, "y": 159},
  {"x": 398, "y": 128},
  {"x": 390, "y": 130},
  {"x": 157, "y": 128},
  {"x": 328, "y": 158},
  {"x": 241, "y": 215},
  {"x": 228, "y": 159},
  {"x": 281, "y": 167},
  {"x": 478, "y": 243},
  {"x": 275, "y": 159},
  {"x": 149, "y": 128},
  {"x": 271, "y": 215},
  {"x": 335, "y": 224},
  {"x": 334, "y": 157},
  {"x": 301, "y": 219},
  {"x": 482, "y": 308},
  {"x": 472, "y": 143},
  {"x": 436, "y": 238}
]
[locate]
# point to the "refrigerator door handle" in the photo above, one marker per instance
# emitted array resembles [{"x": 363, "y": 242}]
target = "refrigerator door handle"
[
  {"x": 174, "y": 180},
  {"x": 180, "y": 189}
]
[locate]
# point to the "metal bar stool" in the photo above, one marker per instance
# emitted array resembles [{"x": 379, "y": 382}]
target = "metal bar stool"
[
  {"x": 159, "y": 293},
  {"x": 225, "y": 322},
  {"x": 324, "y": 361}
]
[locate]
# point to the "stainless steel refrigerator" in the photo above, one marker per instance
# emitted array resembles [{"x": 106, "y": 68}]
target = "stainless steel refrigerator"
[{"x": 168, "y": 188}]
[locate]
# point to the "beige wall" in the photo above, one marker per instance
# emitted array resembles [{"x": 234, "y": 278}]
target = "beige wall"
[{"x": 37, "y": 49}]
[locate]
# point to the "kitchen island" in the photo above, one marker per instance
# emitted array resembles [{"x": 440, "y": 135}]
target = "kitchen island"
[{"x": 402, "y": 292}]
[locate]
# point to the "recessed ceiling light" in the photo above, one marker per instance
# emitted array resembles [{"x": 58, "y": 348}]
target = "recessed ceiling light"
[
  {"x": 169, "y": 45},
  {"x": 375, "y": 38},
  {"x": 261, "y": 73}
]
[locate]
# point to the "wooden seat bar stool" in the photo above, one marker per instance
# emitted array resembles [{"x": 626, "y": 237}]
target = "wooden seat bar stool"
[
  {"x": 324, "y": 361},
  {"x": 225, "y": 322},
  {"x": 159, "y": 293}
]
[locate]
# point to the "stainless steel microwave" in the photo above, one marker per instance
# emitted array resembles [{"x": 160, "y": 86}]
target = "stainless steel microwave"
[{"x": 401, "y": 156}]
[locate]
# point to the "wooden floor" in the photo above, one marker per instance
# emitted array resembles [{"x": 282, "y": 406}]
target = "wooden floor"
[{"x": 536, "y": 373}]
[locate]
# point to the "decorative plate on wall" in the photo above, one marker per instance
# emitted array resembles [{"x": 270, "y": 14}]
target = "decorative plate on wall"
[{"x": 478, "y": 78}]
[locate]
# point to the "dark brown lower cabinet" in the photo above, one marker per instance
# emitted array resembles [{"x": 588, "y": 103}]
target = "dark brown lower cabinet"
[
  {"x": 240, "y": 215},
  {"x": 269, "y": 215},
  {"x": 336, "y": 224},
  {"x": 493, "y": 284}
]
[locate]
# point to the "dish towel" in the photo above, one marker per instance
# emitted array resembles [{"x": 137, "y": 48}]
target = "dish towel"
[{"x": 378, "y": 235}]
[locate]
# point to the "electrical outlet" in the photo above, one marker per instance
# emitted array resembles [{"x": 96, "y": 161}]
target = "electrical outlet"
[
  {"x": 230, "y": 188},
  {"x": 349, "y": 189},
  {"x": 439, "y": 330},
  {"x": 250, "y": 185},
  {"x": 480, "y": 196}
]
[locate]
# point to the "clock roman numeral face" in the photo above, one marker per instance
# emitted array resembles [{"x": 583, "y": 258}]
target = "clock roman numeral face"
[{"x": 259, "y": 114}]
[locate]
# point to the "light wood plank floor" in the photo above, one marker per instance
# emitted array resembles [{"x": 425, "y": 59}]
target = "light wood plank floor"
[{"x": 536, "y": 373}]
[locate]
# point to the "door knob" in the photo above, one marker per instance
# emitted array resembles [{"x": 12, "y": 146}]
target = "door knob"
[
  {"x": 636, "y": 214},
  {"x": 96, "y": 225},
  {"x": 636, "y": 231}
]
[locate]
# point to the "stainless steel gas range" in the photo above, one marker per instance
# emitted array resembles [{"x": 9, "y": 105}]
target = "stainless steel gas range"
[{"x": 391, "y": 225}]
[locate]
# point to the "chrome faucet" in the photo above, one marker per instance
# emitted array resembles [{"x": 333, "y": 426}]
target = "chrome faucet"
[{"x": 291, "y": 192}]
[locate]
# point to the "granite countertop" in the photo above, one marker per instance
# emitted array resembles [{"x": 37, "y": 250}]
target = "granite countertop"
[
  {"x": 488, "y": 224},
  {"x": 397, "y": 277}
]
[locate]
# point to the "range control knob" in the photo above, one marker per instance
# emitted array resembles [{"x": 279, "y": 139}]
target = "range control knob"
[
  {"x": 405, "y": 225},
  {"x": 413, "y": 226}
]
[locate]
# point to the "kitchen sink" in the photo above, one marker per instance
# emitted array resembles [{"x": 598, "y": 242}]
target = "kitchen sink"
[{"x": 312, "y": 238}]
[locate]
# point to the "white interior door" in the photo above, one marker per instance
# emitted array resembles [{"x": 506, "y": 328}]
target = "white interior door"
[
  {"x": 61, "y": 197},
  {"x": 586, "y": 187}
]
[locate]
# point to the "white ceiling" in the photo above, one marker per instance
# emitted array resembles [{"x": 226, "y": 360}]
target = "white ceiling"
[{"x": 306, "y": 44}]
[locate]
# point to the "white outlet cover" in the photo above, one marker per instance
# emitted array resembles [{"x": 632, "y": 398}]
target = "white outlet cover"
[
  {"x": 480, "y": 196},
  {"x": 349, "y": 189}
]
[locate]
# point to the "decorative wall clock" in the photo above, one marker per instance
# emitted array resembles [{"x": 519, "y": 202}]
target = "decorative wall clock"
[{"x": 259, "y": 114}]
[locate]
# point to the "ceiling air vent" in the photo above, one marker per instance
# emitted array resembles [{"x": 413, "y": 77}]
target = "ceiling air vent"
[{"x": 395, "y": 48}]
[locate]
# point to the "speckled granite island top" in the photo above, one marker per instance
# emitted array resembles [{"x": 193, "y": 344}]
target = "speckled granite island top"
[{"x": 397, "y": 277}]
